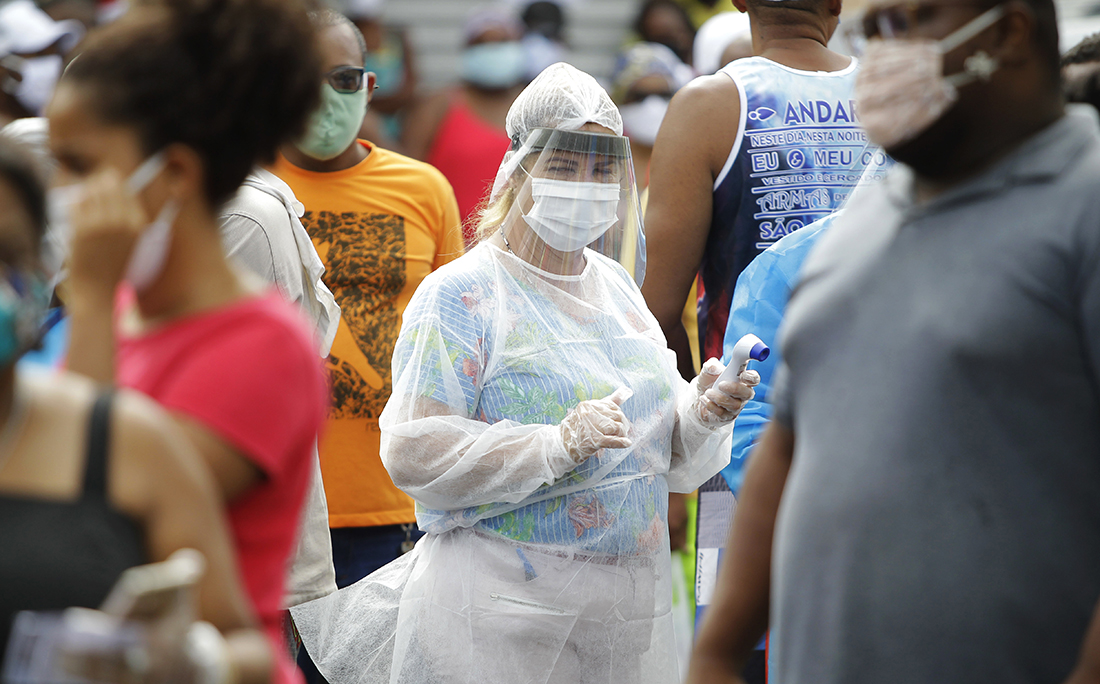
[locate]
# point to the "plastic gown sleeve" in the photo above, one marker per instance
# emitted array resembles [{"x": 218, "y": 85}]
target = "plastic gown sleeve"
[
  {"x": 699, "y": 451},
  {"x": 432, "y": 445}
]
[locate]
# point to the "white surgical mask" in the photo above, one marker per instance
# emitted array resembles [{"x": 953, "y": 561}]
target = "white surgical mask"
[
  {"x": 568, "y": 215},
  {"x": 642, "y": 120},
  {"x": 901, "y": 90},
  {"x": 150, "y": 252}
]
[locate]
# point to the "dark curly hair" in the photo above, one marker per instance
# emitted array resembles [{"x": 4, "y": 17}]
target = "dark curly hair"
[
  {"x": 232, "y": 79},
  {"x": 1088, "y": 50}
]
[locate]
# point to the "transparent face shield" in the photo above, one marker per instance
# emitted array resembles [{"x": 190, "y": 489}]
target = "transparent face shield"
[{"x": 568, "y": 191}]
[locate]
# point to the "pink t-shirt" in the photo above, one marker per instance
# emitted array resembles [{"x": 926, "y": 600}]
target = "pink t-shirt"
[{"x": 249, "y": 373}]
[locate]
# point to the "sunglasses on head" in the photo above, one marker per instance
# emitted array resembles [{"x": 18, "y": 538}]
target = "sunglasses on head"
[{"x": 347, "y": 79}]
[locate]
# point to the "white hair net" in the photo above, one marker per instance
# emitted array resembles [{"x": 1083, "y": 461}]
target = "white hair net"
[{"x": 561, "y": 97}]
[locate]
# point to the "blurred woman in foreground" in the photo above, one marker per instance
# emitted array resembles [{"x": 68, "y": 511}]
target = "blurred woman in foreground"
[
  {"x": 93, "y": 482},
  {"x": 154, "y": 126}
]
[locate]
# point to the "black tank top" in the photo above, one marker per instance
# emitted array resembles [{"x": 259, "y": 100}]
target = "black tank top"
[{"x": 59, "y": 554}]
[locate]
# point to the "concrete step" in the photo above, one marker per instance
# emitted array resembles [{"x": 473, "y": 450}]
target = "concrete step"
[{"x": 595, "y": 31}]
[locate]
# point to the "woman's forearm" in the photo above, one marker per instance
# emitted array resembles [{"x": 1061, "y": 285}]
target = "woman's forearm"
[
  {"x": 92, "y": 337},
  {"x": 450, "y": 462}
]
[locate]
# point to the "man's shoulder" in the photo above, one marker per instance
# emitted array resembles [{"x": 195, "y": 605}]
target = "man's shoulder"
[
  {"x": 715, "y": 90},
  {"x": 855, "y": 235},
  {"x": 394, "y": 164},
  {"x": 255, "y": 204},
  {"x": 758, "y": 67}
]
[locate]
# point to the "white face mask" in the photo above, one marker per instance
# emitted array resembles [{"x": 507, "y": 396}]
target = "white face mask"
[
  {"x": 900, "y": 88},
  {"x": 642, "y": 120},
  {"x": 568, "y": 215},
  {"x": 39, "y": 74},
  {"x": 151, "y": 249}
]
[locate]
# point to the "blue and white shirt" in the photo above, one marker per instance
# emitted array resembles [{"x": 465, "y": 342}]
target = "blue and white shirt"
[{"x": 799, "y": 151}]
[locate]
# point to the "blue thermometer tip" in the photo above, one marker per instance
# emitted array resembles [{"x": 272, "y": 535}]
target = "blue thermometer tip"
[{"x": 759, "y": 352}]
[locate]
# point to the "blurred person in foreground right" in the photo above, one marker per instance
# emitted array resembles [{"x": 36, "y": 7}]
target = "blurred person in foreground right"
[{"x": 910, "y": 515}]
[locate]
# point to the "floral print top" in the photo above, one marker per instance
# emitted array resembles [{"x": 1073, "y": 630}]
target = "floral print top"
[{"x": 492, "y": 339}]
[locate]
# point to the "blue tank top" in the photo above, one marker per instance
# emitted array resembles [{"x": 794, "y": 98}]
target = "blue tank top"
[{"x": 799, "y": 152}]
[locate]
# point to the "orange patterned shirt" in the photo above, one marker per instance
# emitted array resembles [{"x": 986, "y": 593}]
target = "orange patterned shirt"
[{"x": 380, "y": 227}]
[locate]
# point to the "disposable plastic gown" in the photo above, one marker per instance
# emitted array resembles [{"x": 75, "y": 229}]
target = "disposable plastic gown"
[{"x": 533, "y": 569}]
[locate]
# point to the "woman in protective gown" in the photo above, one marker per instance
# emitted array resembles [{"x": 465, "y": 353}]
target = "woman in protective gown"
[{"x": 538, "y": 420}]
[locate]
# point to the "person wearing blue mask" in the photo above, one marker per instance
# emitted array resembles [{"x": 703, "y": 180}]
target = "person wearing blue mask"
[
  {"x": 646, "y": 77},
  {"x": 460, "y": 130},
  {"x": 390, "y": 55}
]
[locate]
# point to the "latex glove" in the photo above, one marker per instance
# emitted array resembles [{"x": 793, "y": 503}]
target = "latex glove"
[
  {"x": 720, "y": 405},
  {"x": 596, "y": 424}
]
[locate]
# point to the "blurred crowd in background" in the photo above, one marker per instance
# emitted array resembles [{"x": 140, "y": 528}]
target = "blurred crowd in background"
[
  {"x": 448, "y": 71},
  {"x": 644, "y": 52}
]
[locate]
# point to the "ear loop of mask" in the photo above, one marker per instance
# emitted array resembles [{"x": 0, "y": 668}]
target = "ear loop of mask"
[
  {"x": 144, "y": 174},
  {"x": 151, "y": 249},
  {"x": 978, "y": 66}
]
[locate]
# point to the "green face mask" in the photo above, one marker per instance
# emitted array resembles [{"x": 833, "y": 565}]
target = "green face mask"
[{"x": 335, "y": 124}]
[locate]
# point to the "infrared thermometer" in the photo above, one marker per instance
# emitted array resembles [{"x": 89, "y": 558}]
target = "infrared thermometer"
[{"x": 748, "y": 348}]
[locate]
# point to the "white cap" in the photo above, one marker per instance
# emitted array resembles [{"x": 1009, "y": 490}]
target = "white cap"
[
  {"x": 363, "y": 9},
  {"x": 25, "y": 29},
  {"x": 486, "y": 17},
  {"x": 714, "y": 36}
]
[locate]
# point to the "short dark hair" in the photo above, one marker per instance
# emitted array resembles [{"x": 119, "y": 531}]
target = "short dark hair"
[
  {"x": 544, "y": 18},
  {"x": 1088, "y": 50},
  {"x": 325, "y": 18},
  {"x": 232, "y": 79},
  {"x": 787, "y": 11},
  {"x": 649, "y": 6},
  {"x": 20, "y": 170},
  {"x": 1083, "y": 86}
]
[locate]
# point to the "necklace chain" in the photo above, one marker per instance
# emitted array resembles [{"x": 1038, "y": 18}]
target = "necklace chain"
[{"x": 506, "y": 242}]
